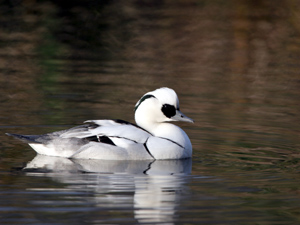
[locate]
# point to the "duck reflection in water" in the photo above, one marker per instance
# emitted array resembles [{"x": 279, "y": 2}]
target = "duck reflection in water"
[{"x": 153, "y": 187}]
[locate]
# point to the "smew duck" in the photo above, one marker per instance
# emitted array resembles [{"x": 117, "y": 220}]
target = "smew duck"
[{"x": 153, "y": 137}]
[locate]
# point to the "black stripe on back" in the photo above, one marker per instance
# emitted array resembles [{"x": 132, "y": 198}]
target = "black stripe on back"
[
  {"x": 122, "y": 122},
  {"x": 132, "y": 124}
]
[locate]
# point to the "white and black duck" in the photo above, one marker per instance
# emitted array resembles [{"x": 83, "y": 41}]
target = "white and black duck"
[{"x": 152, "y": 138}]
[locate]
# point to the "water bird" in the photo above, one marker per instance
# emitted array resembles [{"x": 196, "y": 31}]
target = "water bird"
[{"x": 153, "y": 137}]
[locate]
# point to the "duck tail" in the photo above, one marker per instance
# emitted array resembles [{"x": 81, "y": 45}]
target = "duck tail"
[{"x": 25, "y": 138}]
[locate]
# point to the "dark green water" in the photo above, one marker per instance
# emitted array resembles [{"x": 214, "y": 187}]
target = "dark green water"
[{"x": 235, "y": 66}]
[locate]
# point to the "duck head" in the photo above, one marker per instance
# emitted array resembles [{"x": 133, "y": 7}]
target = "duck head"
[{"x": 158, "y": 106}]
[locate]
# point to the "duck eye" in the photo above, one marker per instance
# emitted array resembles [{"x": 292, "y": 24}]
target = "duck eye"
[{"x": 168, "y": 110}]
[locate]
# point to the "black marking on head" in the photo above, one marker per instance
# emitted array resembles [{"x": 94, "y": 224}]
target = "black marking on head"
[
  {"x": 143, "y": 99},
  {"x": 168, "y": 110},
  {"x": 102, "y": 139}
]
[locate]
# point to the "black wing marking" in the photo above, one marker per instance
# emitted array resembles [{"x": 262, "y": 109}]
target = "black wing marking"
[
  {"x": 92, "y": 138},
  {"x": 102, "y": 139},
  {"x": 106, "y": 140}
]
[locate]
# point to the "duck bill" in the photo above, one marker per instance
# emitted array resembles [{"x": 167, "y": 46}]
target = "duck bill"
[{"x": 179, "y": 116}]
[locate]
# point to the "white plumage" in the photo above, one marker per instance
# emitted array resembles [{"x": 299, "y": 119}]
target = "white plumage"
[{"x": 152, "y": 138}]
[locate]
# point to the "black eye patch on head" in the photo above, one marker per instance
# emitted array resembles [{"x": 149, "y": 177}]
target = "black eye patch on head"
[{"x": 168, "y": 110}]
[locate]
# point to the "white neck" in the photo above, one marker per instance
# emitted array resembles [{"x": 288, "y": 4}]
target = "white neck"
[{"x": 165, "y": 130}]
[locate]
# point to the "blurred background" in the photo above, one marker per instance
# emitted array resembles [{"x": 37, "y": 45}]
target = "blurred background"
[{"x": 234, "y": 65}]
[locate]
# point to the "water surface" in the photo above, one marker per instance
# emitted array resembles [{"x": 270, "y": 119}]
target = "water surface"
[{"x": 235, "y": 66}]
